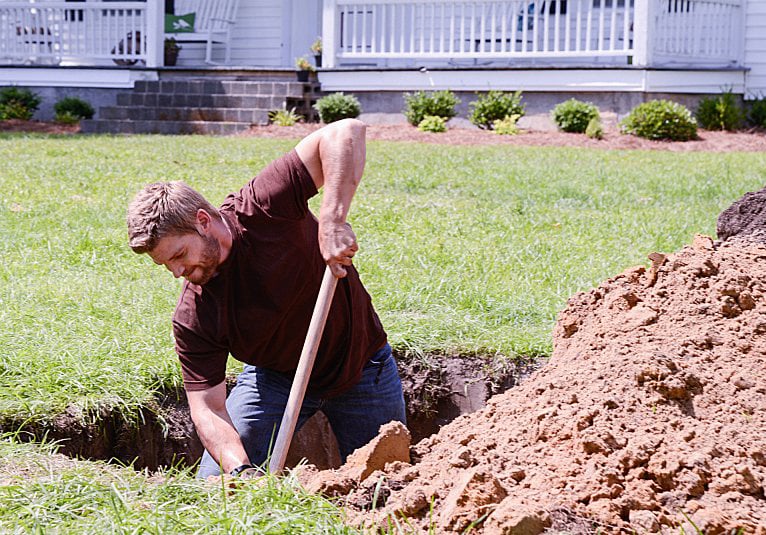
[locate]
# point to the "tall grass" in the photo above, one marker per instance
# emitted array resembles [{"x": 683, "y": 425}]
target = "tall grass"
[
  {"x": 464, "y": 250},
  {"x": 41, "y": 492}
]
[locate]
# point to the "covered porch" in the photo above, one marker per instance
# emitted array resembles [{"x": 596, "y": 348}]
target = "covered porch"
[
  {"x": 407, "y": 33},
  {"x": 583, "y": 33}
]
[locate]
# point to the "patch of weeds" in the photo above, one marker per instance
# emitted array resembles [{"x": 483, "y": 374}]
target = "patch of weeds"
[
  {"x": 594, "y": 129},
  {"x": 434, "y": 124},
  {"x": 284, "y": 117},
  {"x": 507, "y": 125}
]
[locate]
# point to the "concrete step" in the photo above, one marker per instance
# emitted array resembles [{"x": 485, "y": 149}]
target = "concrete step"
[
  {"x": 190, "y": 100},
  {"x": 228, "y": 115},
  {"x": 216, "y": 128},
  {"x": 221, "y": 87}
]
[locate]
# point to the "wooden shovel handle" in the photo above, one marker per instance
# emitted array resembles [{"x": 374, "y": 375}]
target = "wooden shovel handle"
[{"x": 303, "y": 373}]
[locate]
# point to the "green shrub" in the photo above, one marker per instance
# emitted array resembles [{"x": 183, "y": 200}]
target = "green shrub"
[
  {"x": 661, "y": 119},
  {"x": 67, "y": 117},
  {"x": 73, "y": 107},
  {"x": 18, "y": 103},
  {"x": 284, "y": 117},
  {"x": 433, "y": 123},
  {"x": 756, "y": 114},
  {"x": 574, "y": 115},
  {"x": 493, "y": 106},
  {"x": 720, "y": 113},
  {"x": 507, "y": 125},
  {"x": 337, "y": 106},
  {"x": 437, "y": 103},
  {"x": 594, "y": 129}
]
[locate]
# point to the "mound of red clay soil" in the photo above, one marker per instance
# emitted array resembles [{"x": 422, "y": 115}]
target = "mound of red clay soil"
[{"x": 649, "y": 417}]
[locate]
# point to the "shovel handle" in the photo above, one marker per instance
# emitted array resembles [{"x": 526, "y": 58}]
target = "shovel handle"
[{"x": 303, "y": 373}]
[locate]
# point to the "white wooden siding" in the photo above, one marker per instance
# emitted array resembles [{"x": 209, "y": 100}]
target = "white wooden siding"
[
  {"x": 257, "y": 37},
  {"x": 755, "y": 48}
]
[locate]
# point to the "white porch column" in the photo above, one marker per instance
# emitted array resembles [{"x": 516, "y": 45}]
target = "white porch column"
[
  {"x": 642, "y": 33},
  {"x": 330, "y": 33},
  {"x": 155, "y": 32}
]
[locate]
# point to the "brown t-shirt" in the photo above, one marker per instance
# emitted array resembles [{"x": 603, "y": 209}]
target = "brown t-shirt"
[{"x": 259, "y": 306}]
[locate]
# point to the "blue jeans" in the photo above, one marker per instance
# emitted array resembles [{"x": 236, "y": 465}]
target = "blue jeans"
[{"x": 257, "y": 402}]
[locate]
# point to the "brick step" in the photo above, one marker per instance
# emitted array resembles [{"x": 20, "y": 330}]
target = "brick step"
[
  {"x": 227, "y": 115},
  {"x": 215, "y": 128},
  {"x": 220, "y": 87},
  {"x": 189, "y": 100}
]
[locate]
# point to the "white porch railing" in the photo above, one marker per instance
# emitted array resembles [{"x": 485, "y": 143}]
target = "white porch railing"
[
  {"x": 82, "y": 32},
  {"x": 698, "y": 30},
  {"x": 642, "y": 31}
]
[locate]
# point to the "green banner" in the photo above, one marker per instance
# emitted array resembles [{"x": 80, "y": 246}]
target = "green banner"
[{"x": 180, "y": 23}]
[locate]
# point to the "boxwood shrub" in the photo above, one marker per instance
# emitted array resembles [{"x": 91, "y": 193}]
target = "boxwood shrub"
[
  {"x": 437, "y": 103},
  {"x": 74, "y": 108},
  {"x": 722, "y": 112},
  {"x": 338, "y": 106},
  {"x": 756, "y": 113},
  {"x": 18, "y": 103},
  {"x": 574, "y": 115},
  {"x": 495, "y": 106},
  {"x": 661, "y": 120}
]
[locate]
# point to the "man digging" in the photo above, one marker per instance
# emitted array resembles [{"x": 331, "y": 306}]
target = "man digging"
[{"x": 253, "y": 268}]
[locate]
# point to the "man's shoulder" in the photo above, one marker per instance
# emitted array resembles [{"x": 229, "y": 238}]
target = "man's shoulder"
[
  {"x": 281, "y": 189},
  {"x": 193, "y": 301}
]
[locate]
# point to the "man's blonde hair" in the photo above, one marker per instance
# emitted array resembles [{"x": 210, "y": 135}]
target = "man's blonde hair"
[{"x": 164, "y": 209}]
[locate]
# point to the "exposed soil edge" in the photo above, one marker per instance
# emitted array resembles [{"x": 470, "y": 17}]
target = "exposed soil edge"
[{"x": 437, "y": 389}]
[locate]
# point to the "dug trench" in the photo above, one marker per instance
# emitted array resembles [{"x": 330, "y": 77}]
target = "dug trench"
[{"x": 437, "y": 389}]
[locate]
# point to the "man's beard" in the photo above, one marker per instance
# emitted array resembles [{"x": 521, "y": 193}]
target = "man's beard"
[{"x": 207, "y": 267}]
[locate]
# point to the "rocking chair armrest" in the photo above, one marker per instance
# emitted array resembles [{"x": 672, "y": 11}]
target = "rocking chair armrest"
[{"x": 227, "y": 21}]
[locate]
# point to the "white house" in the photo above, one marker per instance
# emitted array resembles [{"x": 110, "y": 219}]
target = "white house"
[{"x": 644, "y": 47}]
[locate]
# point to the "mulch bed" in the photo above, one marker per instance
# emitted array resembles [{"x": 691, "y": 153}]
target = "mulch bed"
[{"x": 709, "y": 141}]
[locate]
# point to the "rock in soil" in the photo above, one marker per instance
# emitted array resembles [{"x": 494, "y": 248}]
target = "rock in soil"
[{"x": 649, "y": 416}]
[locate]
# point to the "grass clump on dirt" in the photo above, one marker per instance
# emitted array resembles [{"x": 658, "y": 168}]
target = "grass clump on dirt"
[{"x": 41, "y": 492}]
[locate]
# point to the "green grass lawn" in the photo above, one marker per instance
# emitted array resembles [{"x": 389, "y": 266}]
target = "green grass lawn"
[
  {"x": 44, "y": 493},
  {"x": 466, "y": 250}
]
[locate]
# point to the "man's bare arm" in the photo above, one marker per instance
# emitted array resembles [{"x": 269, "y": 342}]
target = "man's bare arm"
[
  {"x": 335, "y": 156},
  {"x": 215, "y": 428}
]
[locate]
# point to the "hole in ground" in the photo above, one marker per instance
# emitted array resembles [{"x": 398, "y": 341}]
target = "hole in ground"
[{"x": 437, "y": 389}]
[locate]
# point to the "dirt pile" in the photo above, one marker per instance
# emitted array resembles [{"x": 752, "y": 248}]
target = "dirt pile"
[{"x": 649, "y": 416}]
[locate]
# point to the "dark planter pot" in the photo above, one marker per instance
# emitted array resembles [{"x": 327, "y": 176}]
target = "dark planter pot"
[
  {"x": 171, "y": 57},
  {"x": 303, "y": 76},
  {"x": 318, "y": 61}
]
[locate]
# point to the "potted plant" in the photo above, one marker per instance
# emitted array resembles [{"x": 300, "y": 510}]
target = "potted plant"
[
  {"x": 172, "y": 48},
  {"x": 316, "y": 49},
  {"x": 303, "y": 68}
]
